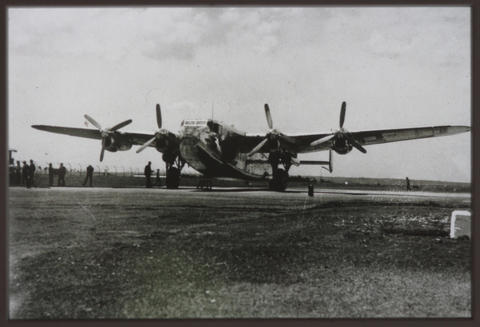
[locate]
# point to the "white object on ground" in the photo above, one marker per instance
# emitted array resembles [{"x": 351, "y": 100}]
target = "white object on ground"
[{"x": 460, "y": 224}]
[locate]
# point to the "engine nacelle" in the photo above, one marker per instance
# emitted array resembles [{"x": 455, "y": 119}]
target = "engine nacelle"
[
  {"x": 166, "y": 143},
  {"x": 341, "y": 145},
  {"x": 117, "y": 142}
]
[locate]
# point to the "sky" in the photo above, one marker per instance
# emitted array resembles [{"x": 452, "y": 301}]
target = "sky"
[{"x": 396, "y": 67}]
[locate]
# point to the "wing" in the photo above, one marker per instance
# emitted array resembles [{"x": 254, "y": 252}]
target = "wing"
[
  {"x": 81, "y": 132},
  {"x": 403, "y": 134},
  {"x": 301, "y": 143},
  {"x": 133, "y": 138},
  {"x": 294, "y": 143}
]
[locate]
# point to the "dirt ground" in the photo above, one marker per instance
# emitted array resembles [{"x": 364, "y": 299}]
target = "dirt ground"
[{"x": 138, "y": 253}]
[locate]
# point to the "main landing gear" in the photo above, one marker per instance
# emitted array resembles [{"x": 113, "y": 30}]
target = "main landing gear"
[
  {"x": 279, "y": 176},
  {"x": 173, "y": 168}
]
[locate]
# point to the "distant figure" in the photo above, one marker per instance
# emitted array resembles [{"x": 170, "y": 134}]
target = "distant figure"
[
  {"x": 31, "y": 170},
  {"x": 26, "y": 175},
  {"x": 61, "y": 175},
  {"x": 310, "y": 189},
  {"x": 11, "y": 175},
  {"x": 148, "y": 172},
  {"x": 18, "y": 174},
  {"x": 89, "y": 176},
  {"x": 408, "y": 183},
  {"x": 158, "y": 182},
  {"x": 51, "y": 172}
]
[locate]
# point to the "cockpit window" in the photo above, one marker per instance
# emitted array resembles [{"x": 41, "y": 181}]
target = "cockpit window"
[{"x": 214, "y": 126}]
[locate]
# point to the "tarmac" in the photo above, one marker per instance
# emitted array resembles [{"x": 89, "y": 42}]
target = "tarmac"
[
  {"x": 249, "y": 191},
  {"x": 81, "y": 252}
]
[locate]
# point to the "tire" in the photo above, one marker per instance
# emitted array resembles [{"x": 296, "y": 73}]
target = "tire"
[
  {"x": 173, "y": 178},
  {"x": 279, "y": 181}
]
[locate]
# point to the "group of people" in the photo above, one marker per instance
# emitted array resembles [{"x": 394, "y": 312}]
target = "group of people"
[
  {"x": 148, "y": 174},
  {"x": 60, "y": 172},
  {"x": 24, "y": 175}
]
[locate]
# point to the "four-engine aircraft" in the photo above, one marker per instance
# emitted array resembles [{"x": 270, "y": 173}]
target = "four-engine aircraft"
[{"x": 218, "y": 150}]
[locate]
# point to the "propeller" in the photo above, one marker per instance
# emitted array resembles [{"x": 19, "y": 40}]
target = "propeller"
[
  {"x": 157, "y": 133},
  {"x": 341, "y": 133},
  {"x": 272, "y": 135},
  {"x": 106, "y": 132}
]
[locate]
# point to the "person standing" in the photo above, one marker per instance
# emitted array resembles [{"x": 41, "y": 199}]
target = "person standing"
[
  {"x": 148, "y": 173},
  {"x": 89, "y": 176},
  {"x": 11, "y": 175},
  {"x": 18, "y": 174},
  {"x": 51, "y": 172},
  {"x": 407, "y": 181},
  {"x": 61, "y": 175},
  {"x": 310, "y": 188},
  {"x": 158, "y": 182},
  {"x": 26, "y": 175},
  {"x": 31, "y": 170}
]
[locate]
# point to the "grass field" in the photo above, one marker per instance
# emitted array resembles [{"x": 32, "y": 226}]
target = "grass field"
[{"x": 137, "y": 253}]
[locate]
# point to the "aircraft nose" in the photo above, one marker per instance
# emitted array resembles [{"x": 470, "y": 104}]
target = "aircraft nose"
[{"x": 189, "y": 140}]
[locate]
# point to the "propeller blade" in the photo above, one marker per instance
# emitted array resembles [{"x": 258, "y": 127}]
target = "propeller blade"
[
  {"x": 342, "y": 113},
  {"x": 93, "y": 121},
  {"x": 269, "y": 116},
  {"x": 159, "y": 116},
  {"x": 146, "y": 144},
  {"x": 357, "y": 145},
  {"x": 322, "y": 140},
  {"x": 257, "y": 148},
  {"x": 102, "y": 152},
  {"x": 330, "y": 162},
  {"x": 120, "y": 125}
]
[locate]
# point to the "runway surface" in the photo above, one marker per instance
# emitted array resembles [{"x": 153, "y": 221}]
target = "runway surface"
[{"x": 235, "y": 252}]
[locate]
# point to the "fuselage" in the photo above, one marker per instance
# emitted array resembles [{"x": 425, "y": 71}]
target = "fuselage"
[{"x": 211, "y": 148}]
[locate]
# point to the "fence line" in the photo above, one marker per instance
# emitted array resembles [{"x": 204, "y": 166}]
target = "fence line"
[{"x": 79, "y": 169}]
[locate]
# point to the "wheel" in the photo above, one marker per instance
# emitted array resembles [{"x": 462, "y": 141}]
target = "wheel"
[
  {"x": 173, "y": 178},
  {"x": 279, "y": 181}
]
